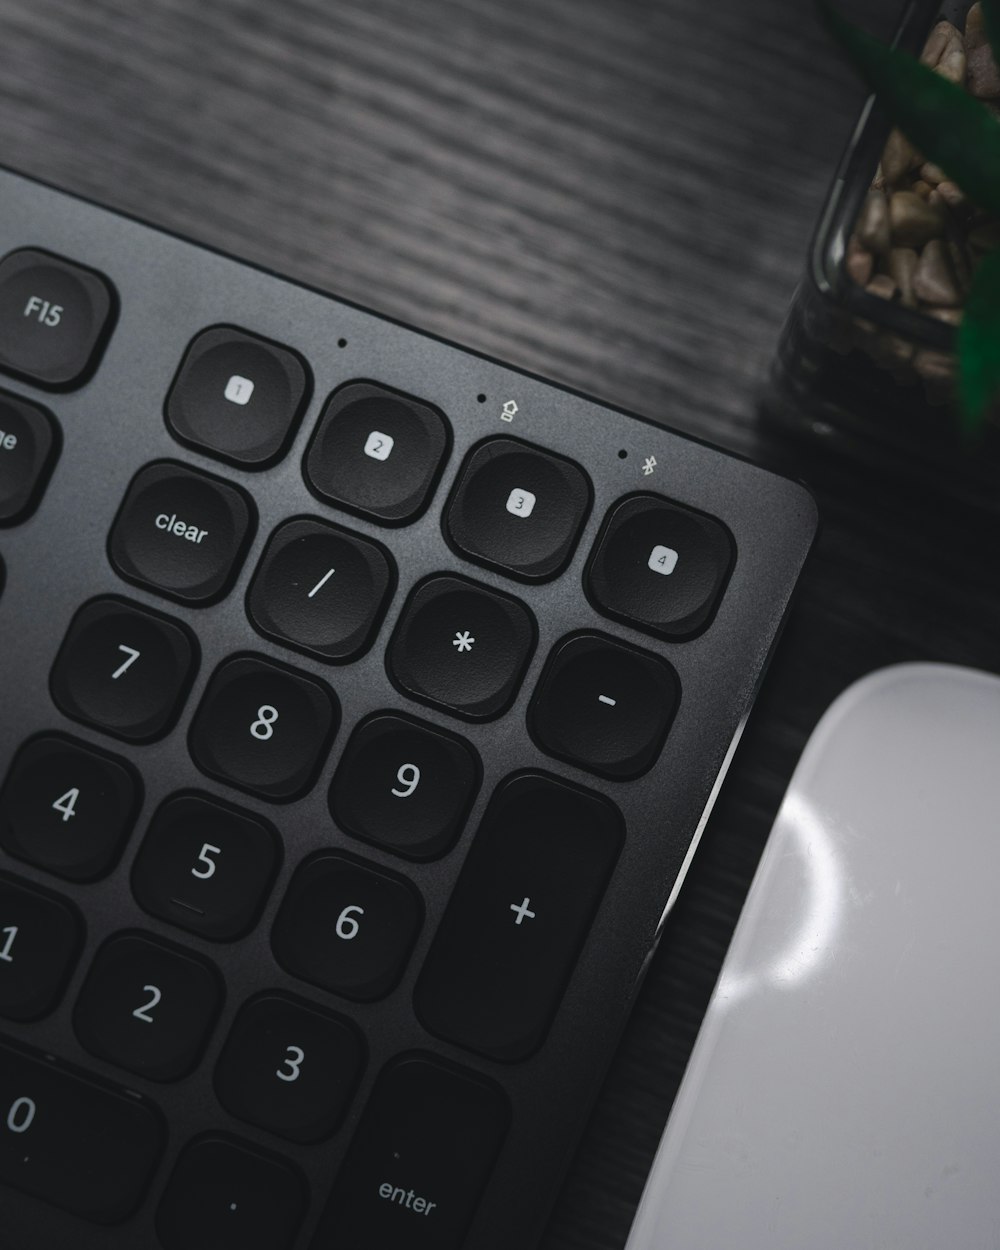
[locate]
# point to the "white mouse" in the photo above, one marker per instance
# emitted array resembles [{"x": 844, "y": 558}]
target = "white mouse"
[{"x": 844, "y": 1091}]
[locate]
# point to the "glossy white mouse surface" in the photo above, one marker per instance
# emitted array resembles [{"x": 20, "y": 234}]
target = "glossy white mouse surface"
[{"x": 844, "y": 1092}]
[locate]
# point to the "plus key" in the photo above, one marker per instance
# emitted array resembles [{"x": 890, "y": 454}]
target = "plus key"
[{"x": 498, "y": 969}]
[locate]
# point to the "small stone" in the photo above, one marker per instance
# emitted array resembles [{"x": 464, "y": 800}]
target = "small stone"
[
  {"x": 949, "y": 193},
  {"x": 941, "y": 38},
  {"x": 899, "y": 157},
  {"x": 960, "y": 265},
  {"x": 873, "y": 224},
  {"x": 882, "y": 286},
  {"x": 944, "y": 52},
  {"x": 985, "y": 238},
  {"x": 903, "y": 263},
  {"x": 975, "y": 29},
  {"x": 935, "y": 366},
  {"x": 860, "y": 263},
  {"x": 984, "y": 77},
  {"x": 914, "y": 221},
  {"x": 933, "y": 174},
  {"x": 934, "y": 281}
]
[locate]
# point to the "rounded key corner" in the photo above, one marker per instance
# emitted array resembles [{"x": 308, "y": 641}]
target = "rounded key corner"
[
  {"x": 334, "y": 462},
  {"x": 619, "y": 597},
  {"x": 523, "y": 503},
  {"x": 114, "y": 824},
  {"x": 238, "y": 391},
  {"x": 158, "y": 887},
  {"x": 298, "y": 959},
  {"x": 100, "y": 1033},
  {"x": 211, "y": 589},
  {"x": 105, "y": 305},
  {"x": 215, "y": 1164},
  {"x": 533, "y": 777},
  {"x": 336, "y": 649},
  {"x": 295, "y": 786},
  {"x": 306, "y": 1115},
  {"x": 419, "y": 1058},
  {"x": 370, "y": 793},
  {"x": 520, "y": 618},
  {"x": 20, "y": 501},
  {"x": 570, "y": 734},
  {"x": 160, "y": 718}
]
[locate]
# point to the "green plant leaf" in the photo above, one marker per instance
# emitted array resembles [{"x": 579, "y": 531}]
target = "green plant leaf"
[
  {"x": 979, "y": 346},
  {"x": 991, "y": 19},
  {"x": 943, "y": 121}
]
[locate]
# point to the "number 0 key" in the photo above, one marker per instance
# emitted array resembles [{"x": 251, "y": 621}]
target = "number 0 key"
[{"x": 84, "y": 1147}]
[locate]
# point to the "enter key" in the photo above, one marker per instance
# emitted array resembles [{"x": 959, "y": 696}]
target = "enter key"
[{"x": 419, "y": 1162}]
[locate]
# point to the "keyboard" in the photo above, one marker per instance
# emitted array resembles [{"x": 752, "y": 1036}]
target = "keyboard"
[{"x": 363, "y": 701}]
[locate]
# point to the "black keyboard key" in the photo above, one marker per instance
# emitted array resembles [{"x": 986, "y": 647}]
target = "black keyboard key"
[
  {"x": 29, "y": 442},
  {"x": 405, "y": 786},
  {"x": 147, "y": 1007},
  {"x": 321, "y": 590},
  {"x": 346, "y": 927},
  {"x": 124, "y": 669},
  {"x": 519, "y": 916},
  {"x": 181, "y": 533},
  {"x": 419, "y": 1161},
  {"x": 237, "y": 396},
  {"x": 604, "y": 706},
  {"x": 85, "y": 1147},
  {"x": 40, "y": 939},
  {"x": 55, "y": 317},
  {"x": 461, "y": 647},
  {"x": 518, "y": 509},
  {"x": 377, "y": 452},
  {"x": 290, "y": 1068},
  {"x": 226, "y": 1195},
  {"x": 206, "y": 866},
  {"x": 263, "y": 728},
  {"x": 68, "y": 808},
  {"x": 659, "y": 567}
]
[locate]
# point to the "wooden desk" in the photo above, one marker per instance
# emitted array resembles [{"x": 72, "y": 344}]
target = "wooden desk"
[{"x": 614, "y": 193}]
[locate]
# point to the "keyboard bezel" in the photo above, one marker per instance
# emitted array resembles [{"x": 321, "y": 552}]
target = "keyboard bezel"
[{"x": 168, "y": 290}]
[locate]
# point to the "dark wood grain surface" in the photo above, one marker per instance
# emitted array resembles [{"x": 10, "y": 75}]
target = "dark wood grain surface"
[{"x": 616, "y": 194}]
